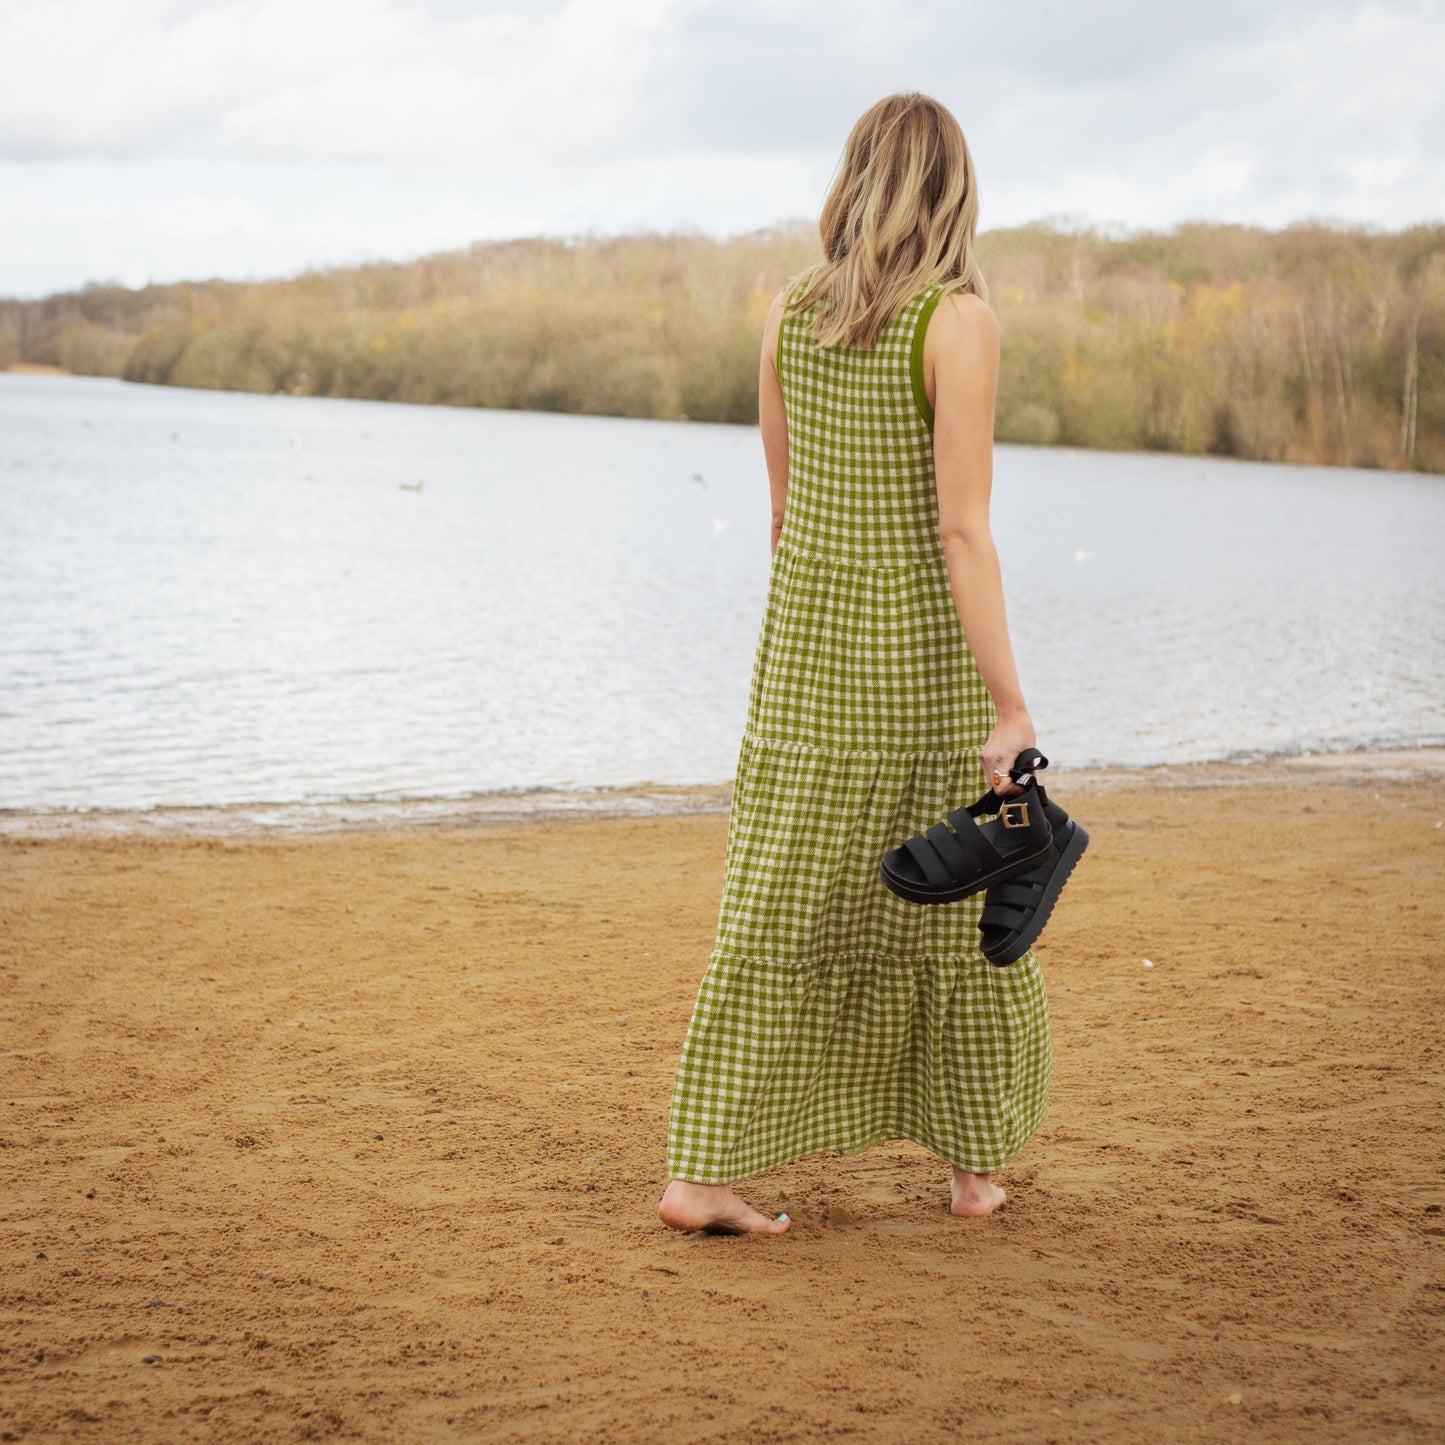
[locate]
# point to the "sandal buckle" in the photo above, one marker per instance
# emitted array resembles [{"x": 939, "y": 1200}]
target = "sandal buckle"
[{"x": 1014, "y": 815}]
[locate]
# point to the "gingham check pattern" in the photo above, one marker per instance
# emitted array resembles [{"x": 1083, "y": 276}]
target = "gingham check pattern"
[{"x": 834, "y": 1014}]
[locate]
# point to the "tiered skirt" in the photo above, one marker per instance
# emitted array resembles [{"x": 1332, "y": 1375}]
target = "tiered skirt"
[{"x": 834, "y": 1015}]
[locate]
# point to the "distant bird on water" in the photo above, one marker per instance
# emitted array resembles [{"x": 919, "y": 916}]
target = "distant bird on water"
[{"x": 411, "y": 486}]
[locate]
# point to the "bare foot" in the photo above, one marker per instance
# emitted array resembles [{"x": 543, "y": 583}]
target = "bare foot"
[
  {"x": 975, "y": 1194},
  {"x": 714, "y": 1208}
]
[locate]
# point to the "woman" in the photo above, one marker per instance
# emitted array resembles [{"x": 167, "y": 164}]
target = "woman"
[{"x": 834, "y": 1015}]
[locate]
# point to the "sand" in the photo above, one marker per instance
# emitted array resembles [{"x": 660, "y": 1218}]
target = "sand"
[{"x": 359, "y": 1135}]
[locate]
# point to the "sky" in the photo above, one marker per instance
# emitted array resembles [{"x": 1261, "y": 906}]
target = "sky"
[{"x": 160, "y": 140}]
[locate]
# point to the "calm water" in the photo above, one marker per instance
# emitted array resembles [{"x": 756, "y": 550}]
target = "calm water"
[{"x": 214, "y": 598}]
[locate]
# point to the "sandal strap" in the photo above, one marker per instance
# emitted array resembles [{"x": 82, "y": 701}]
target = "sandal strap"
[
  {"x": 949, "y": 849},
  {"x": 969, "y": 846},
  {"x": 991, "y": 803},
  {"x": 1003, "y": 917},
  {"x": 935, "y": 871},
  {"x": 1015, "y": 893}
]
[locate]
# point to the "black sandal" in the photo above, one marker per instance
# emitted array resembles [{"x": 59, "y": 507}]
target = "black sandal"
[
  {"x": 960, "y": 856},
  {"x": 1016, "y": 909},
  {"x": 1023, "y": 858}
]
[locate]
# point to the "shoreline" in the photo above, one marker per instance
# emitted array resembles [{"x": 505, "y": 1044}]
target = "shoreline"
[
  {"x": 653, "y": 800},
  {"x": 1295, "y": 459}
]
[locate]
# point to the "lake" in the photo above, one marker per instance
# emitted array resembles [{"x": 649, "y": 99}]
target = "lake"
[{"x": 214, "y": 598}]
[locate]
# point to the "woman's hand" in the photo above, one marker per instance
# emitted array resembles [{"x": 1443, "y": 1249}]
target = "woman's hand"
[{"x": 1011, "y": 735}]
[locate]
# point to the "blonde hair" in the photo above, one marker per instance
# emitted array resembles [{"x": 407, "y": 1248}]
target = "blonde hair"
[{"x": 899, "y": 217}]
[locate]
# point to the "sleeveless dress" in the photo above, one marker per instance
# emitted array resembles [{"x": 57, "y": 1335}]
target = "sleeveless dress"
[{"x": 833, "y": 1014}]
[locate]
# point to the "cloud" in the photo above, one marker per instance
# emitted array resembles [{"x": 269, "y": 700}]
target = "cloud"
[
  {"x": 70, "y": 222},
  {"x": 458, "y": 83},
  {"x": 253, "y": 137},
  {"x": 1342, "y": 118},
  {"x": 757, "y": 74},
  {"x": 334, "y": 79}
]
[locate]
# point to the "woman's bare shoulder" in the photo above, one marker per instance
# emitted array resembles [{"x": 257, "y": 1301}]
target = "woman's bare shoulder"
[{"x": 968, "y": 318}]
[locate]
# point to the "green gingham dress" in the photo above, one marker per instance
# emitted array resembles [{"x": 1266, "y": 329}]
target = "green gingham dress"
[{"x": 834, "y": 1015}]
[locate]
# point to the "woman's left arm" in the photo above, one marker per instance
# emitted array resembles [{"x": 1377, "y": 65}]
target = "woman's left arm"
[{"x": 773, "y": 418}]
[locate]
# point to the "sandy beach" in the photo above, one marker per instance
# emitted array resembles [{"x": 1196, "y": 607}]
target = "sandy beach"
[{"x": 358, "y": 1134}]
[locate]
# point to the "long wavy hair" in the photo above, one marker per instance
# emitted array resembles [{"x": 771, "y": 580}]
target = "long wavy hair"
[{"x": 899, "y": 217}]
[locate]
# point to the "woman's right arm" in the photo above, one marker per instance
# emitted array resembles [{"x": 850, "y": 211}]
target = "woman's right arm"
[
  {"x": 961, "y": 359},
  {"x": 773, "y": 418}
]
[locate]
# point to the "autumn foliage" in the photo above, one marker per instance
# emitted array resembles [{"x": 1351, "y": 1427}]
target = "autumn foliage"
[{"x": 1313, "y": 343}]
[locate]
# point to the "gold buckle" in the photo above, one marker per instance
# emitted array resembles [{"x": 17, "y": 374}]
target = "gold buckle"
[{"x": 1007, "y": 813}]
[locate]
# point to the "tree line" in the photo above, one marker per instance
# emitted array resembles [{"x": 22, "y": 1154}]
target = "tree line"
[{"x": 1314, "y": 343}]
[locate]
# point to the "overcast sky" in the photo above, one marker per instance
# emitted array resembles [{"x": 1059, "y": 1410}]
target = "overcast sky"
[{"x": 165, "y": 139}]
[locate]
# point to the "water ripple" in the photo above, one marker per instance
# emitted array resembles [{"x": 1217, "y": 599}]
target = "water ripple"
[{"x": 255, "y": 611}]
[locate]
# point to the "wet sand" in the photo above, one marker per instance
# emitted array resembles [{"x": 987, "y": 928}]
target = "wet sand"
[{"x": 359, "y": 1134}]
